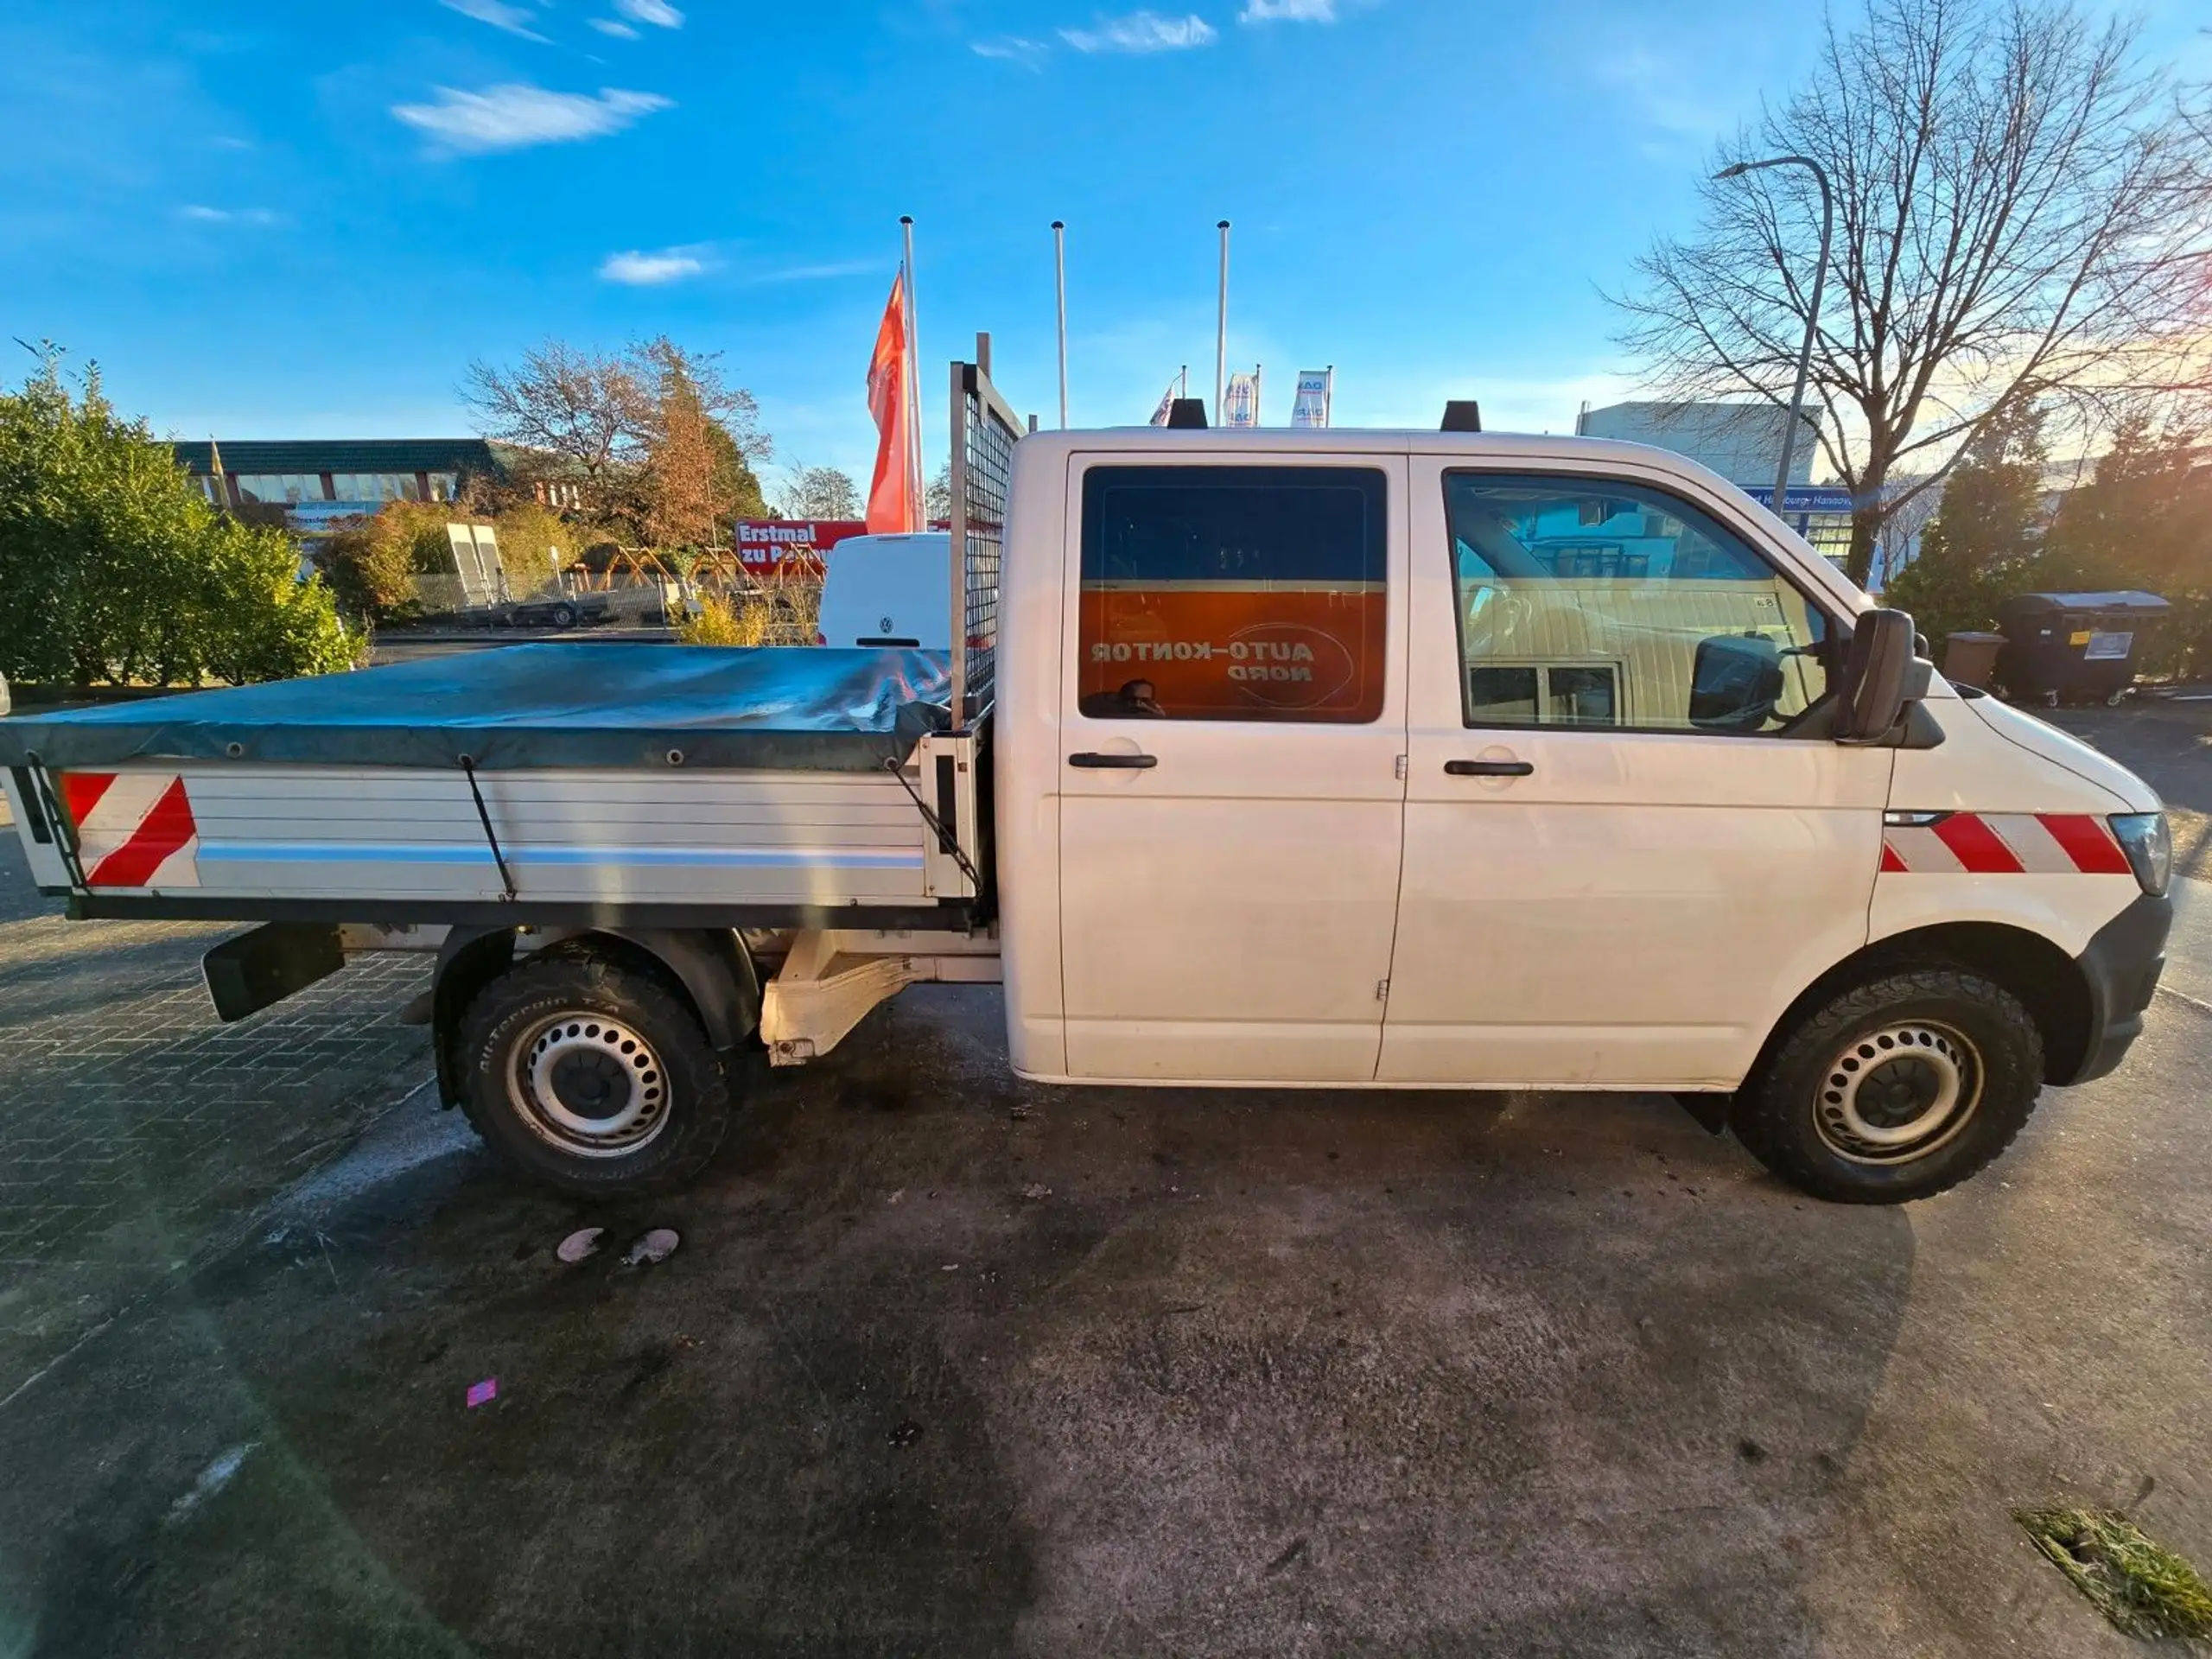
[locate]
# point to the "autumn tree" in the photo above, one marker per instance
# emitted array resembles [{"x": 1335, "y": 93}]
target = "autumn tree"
[
  {"x": 2021, "y": 214},
  {"x": 701, "y": 440}
]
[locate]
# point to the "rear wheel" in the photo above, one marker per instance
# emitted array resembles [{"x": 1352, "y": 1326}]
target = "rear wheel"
[
  {"x": 1894, "y": 1090},
  {"x": 592, "y": 1077}
]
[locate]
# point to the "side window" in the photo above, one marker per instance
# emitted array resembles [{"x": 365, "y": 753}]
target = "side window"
[
  {"x": 1607, "y": 603},
  {"x": 1232, "y": 592}
]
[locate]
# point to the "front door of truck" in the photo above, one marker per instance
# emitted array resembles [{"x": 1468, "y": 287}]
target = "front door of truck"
[
  {"x": 1626, "y": 849},
  {"x": 1230, "y": 807}
]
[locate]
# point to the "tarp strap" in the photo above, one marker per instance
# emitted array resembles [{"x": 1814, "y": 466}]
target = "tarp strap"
[
  {"x": 506, "y": 876},
  {"x": 945, "y": 839}
]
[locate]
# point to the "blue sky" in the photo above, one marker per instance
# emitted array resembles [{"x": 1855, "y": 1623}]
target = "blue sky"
[{"x": 298, "y": 219}]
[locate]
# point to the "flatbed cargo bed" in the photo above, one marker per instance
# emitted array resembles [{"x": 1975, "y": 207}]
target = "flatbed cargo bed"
[{"x": 536, "y": 783}]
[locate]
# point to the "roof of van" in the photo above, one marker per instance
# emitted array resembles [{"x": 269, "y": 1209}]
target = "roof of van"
[{"x": 1275, "y": 439}]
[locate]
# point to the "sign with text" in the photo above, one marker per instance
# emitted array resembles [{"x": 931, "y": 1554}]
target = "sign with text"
[
  {"x": 1235, "y": 651},
  {"x": 766, "y": 544}
]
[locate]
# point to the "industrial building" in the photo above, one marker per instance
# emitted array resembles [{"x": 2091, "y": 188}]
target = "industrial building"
[{"x": 1742, "y": 442}]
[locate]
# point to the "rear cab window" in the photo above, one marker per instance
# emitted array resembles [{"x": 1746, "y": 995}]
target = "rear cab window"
[{"x": 1233, "y": 593}]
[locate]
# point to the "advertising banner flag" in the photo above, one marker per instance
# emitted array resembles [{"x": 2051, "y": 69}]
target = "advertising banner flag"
[
  {"x": 1240, "y": 403},
  {"x": 892, "y": 504},
  {"x": 1316, "y": 387},
  {"x": 1166, "y": 405}
]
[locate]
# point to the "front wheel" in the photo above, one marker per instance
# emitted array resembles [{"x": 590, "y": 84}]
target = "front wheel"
[
  {"x": 1894, "y": 1090},
  {"x": 591, "y": 1076}
]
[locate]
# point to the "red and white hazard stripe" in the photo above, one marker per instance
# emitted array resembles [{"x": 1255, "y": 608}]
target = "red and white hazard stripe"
[
  {"x": 2000, "y": 843},
  {"x": 134, "y": 829}
]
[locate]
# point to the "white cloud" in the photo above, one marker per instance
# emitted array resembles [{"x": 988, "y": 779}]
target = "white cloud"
[
  {"x": 516, "y": 20},
  {"x": 659, "y": 13},
  {"x": 608, "y": 26},
  {"x": 1142, "y": 31},
  {"x": 1277, "y": 11},
  {"x": 651, "y": 270},
  {"x": 1012, "y": 48},
  {"x": 1665, "y": 88},
  {"x": 821, "y": 273},
  {"x": 516, "y": 115},
  {"x": 200, "y": 213}
]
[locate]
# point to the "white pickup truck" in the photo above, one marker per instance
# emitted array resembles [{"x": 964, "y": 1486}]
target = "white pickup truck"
[{"x": 1334, "y": 759}]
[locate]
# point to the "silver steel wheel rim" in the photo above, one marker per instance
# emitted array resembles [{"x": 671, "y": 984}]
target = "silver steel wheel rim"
[
  {"x": 591, "y": 1086},
  {"x": 1898, "y": 1093}
]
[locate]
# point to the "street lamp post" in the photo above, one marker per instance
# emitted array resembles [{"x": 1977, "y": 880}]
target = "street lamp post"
[{"x": 1812, "y": 311}]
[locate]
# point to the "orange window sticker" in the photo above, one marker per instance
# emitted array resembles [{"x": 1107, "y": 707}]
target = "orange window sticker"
[{"x": 1220, "y": 652}]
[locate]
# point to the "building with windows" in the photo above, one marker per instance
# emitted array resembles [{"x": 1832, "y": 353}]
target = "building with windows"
[
  {"x": 1742, "y": 442},
  {"x": 317, "y": 481}
]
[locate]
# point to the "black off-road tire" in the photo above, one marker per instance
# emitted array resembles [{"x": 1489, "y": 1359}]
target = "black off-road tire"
[
  {"x": 1790, "y": 1115},
  {"x": 542, "y": 999}
]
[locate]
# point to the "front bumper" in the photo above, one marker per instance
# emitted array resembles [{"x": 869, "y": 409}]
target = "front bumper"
[{"x": 2121, "y": 965}]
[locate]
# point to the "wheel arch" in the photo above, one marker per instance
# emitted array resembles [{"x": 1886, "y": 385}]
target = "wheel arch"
[
  {"x": 2050, "y": 983},
  {"x": 710, "y": 967},
  {"x": 710, "y": 964}
]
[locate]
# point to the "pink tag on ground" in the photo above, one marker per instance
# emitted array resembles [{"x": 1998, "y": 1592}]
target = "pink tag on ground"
[{"x": 483, "y": 1393}]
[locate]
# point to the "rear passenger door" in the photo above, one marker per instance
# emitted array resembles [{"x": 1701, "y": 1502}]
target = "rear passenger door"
[
  {"x": 1231, "y": 809},
  {"x": 1628, "y": 842}
]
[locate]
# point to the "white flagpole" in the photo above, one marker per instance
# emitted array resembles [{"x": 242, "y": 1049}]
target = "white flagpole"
[
  {"x": 916, "y": 477},
  {"x": 1060, "y": 287},
  {"x": 1221, "y": 329}
]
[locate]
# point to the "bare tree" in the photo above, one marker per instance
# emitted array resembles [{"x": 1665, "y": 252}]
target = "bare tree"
[
  {"x": 2021, "y": 213},
  {"x": 590, "y": 410},
  {"x": 819, "y": 492},
  {"x": 665, "y": 443}
]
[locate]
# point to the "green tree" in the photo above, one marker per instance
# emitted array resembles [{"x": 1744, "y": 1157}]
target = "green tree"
[
  {"x": 2144, "y": 520},
  {"x": 118, "y": 571},
  {"x": 1985, "y": 542}
]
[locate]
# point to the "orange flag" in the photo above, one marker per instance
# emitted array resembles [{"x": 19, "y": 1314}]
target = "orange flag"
[{"x": 891, "y": 503}]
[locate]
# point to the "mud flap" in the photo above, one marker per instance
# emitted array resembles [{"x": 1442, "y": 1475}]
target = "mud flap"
[{"x": 254, "y": 970}]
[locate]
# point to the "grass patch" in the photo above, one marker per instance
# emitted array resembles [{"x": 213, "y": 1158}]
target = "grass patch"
[{"x": 2144, "y": 1589}]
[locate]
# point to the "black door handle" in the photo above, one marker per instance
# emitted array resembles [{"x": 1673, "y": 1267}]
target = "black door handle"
[
  {"x": 1489, "y": 768},
  {"x": 1090, "y": 762}
]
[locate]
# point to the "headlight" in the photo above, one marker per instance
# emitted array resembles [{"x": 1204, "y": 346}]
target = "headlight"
[{"x": 2149, "y": 846}]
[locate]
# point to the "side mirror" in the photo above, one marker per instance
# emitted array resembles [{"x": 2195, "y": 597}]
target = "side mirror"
[
  {"x": 1735, "y": 683},
  {"x": 1878, "y": 677}
]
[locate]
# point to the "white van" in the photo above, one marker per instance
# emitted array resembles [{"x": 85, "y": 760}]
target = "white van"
[{"x": 889, "y": 590}]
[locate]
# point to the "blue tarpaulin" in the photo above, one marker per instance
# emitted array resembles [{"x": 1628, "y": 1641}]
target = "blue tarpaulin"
[{"x": 769, "y": 708}]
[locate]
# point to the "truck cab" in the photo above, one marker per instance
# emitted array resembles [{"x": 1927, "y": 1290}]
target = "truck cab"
[{"x": 1453, "y": 760}]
